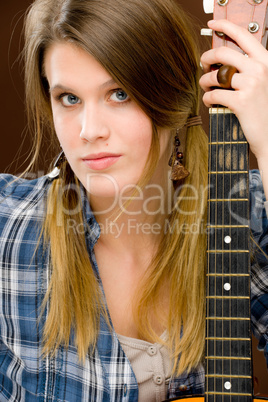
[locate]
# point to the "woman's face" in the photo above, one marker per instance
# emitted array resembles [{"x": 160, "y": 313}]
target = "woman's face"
[{"x": 105, "y": 135}]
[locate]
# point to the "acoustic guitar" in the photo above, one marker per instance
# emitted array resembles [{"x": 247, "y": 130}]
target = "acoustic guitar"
[{"x": 228, "y": 371}]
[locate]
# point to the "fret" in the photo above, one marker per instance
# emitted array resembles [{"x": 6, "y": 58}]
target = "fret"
[
  {"x": 228, "y": 393},
  {"x": 226, "y": 275},
  {"x": 227, "y": 339},
  {"x": 227, "y": 142},
  {"x": 227, "y": 251},
  {"x": 227, "y": 199},
  {"x": 227, "y": 358},
  {"x": 226, "y": 376},
  {"x": 227, "y": 226},
  {"x": 228, "y": 172},
  {"x": 228, "y": 318},
  {"x": 228, "y": 297},
  {"x": 219, "y": 174}
]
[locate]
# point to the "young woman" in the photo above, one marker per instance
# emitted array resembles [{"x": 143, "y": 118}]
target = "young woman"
[{"x": 102, "y": 259}]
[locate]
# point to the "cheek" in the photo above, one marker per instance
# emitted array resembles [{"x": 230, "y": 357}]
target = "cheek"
[
  {"x": 58, "y": 123},
  {"x": 65, "y": 128},
  {"x": 140, "y": 134}
]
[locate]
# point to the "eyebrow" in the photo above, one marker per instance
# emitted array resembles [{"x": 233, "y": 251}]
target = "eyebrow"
[{"x": 67, "y": 89}]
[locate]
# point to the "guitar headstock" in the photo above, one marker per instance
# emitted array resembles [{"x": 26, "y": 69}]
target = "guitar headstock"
[{"x": 250, "y": 14}]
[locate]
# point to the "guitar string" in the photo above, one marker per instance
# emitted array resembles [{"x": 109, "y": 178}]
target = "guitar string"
[
  {"x": 224, "y": 197},
  {"x": 210, "y": 245},
  {"x": 245, "y": 246},
  {"x": 237, "y": 330},
  {"x": 215, "y": 245},
  {"x": 227, "y": 161},
  {"x": 223, "y": 234},
  {"x": 222, "y": 230},
  {"x": 254, "y": 8},
  {"x": 235, "y": 168},
  {"x": 224, "y": 168}
]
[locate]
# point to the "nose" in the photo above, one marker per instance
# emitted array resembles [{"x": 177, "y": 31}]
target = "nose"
[{"x": 93, "y": 125}]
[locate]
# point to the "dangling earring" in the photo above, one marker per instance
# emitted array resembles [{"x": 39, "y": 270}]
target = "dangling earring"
[
  {"x": 178, "y": 171},
  {"x": 56, "y": 167},
  {"x": 60, "y": 158}
]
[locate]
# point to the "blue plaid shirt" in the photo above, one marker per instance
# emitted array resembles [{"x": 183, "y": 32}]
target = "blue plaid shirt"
[{"x": 25, "y": 271}]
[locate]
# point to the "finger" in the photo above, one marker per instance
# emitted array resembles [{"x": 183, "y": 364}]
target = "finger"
[
  {"x": 241, "y": 62},
  {"x": 245, "y": 40},
  {"x": 222, "y": 97},
  {"x": 223, "y": 55},
  {"x": 239, "y": 81},
  {"x": 209, "y": 80}
]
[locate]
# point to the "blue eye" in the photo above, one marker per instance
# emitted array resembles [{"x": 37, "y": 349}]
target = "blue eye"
[
  {"x": 69, "y": 100},
  {"x": 119, "y": 95}
]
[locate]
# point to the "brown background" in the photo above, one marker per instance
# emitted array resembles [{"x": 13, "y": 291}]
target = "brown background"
[{"x": 15, "y": 145}]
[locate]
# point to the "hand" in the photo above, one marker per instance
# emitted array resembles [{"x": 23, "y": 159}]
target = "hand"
[{"x": 249, "y": 101}]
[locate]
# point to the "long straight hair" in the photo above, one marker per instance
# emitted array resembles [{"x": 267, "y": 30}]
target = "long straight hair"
[{"x": 149, "y": 48}]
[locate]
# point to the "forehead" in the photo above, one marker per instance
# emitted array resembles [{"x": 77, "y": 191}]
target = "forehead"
[{"x": 66, "y": 63}]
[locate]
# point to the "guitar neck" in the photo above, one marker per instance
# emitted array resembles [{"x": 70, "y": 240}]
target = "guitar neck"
[{"x": 228, "y": 340}]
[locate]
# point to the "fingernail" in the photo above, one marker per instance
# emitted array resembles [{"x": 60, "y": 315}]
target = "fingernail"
[{"x": 211, "y": 21}]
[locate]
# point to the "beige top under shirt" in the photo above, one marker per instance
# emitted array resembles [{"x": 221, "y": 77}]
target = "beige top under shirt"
[{"x": 151, "y": 365}]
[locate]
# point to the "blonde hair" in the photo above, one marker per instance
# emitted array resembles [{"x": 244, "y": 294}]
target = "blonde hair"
[{"x": 149, "y": 48}]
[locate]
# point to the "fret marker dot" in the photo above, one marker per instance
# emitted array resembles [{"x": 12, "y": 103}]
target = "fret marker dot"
[
  {"x": 227, "y": 239},
  {"x": 227, "y": 385},
  {"x": 227, "y": 286}
]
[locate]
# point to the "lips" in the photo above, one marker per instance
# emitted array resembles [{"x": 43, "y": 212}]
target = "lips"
[{"x": 101, "y": 161}]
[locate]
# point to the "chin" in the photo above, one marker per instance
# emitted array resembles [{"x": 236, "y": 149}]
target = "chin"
[{"x": 101, "y": 185}]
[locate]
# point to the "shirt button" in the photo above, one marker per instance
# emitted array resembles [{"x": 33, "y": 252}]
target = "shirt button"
[
  {"x": 151, "y": 351},
  {"x": 183, "y": 387},
  {"x": 125, "y": 390},
  {"x": 158, "y": 379}
]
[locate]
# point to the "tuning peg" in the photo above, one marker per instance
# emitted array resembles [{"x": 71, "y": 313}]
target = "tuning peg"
[
  {"x": 206, "y": 32},
  {"x": 208, "y": 6}
]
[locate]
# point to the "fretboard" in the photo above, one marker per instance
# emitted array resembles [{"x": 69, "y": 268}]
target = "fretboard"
[{"x": 228, "y": 342}]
